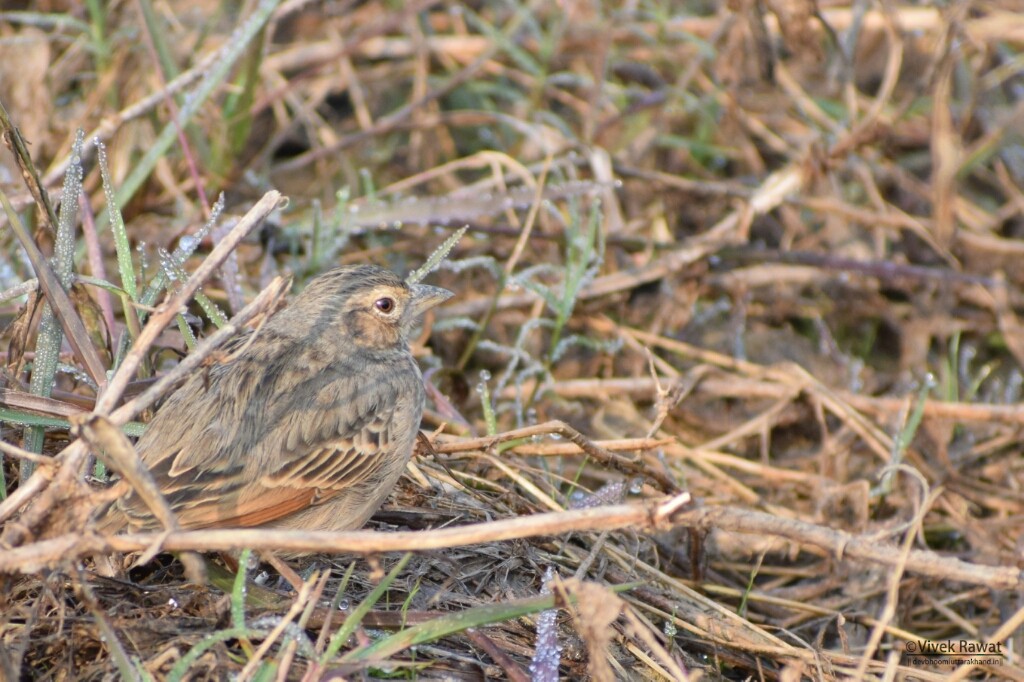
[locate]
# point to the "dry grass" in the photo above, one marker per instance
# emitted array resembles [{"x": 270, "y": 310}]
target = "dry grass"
[{"x": 731, "y": 388}]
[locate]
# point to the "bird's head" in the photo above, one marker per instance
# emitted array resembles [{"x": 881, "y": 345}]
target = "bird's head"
[{"x": 367, "y": 305}]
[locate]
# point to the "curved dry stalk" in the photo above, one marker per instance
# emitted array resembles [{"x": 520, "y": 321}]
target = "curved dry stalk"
[{"x": 599, "y": 453}]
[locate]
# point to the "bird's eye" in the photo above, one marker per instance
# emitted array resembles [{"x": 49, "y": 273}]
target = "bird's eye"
[{"x": 385, "y": 305}]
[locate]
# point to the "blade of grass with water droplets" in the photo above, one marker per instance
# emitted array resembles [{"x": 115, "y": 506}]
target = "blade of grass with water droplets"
[
  {"x": 186, "y": 247},
  {"x": 175, "y": 274},
  {"x": 357, "y": 615},
  {"x": 51, "y": 336},
  {"x": 440, "y": 253},
  {"x": 125, "y": 266}
]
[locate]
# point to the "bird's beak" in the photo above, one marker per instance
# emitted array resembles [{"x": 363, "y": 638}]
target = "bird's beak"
[{"x": 425, "y": 297}]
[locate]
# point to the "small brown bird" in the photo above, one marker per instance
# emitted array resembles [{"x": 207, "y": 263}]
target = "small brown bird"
[{"x": 307, "y": 424}]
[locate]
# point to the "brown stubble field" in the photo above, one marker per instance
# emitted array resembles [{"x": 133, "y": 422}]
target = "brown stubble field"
[{"x": 730, "y": 387}]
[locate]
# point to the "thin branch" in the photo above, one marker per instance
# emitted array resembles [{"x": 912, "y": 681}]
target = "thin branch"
[
  {"x": 47, "y": 553},
  {"x": 657, "y": 515}
]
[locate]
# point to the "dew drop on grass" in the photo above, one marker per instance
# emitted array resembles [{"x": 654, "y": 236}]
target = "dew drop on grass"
[
  {"x": 485, "y": 376},
  {"x": 80, "y": 375},
  {"x": 344, "y": 605},
  {"x": 143, "y": 256}
]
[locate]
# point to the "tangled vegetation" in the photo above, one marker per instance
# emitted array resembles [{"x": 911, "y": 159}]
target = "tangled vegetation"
[{"x": 730, "y": 388}]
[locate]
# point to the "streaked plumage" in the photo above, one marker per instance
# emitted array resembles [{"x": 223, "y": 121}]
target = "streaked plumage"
[{"x": 307, "y": 423}]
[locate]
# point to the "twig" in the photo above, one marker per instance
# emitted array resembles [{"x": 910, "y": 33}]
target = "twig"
[
  {"x": 125, "y": 666},
  {"x": 638, "y": 517},
  {"x": 112, "y": 446},
  {"x": 111, "y": 124},
  {"x": 593, "y": 450},
  {"x": 37, "y": 404},
  {"x": 297, "y": 608},
  {"x": 18, "y": 453},
  {"x": 625, "y": 280},
  {"x": 648, "y": 516}
]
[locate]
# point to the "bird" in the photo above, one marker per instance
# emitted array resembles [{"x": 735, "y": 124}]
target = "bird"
[{"x": 308, "y": 421}]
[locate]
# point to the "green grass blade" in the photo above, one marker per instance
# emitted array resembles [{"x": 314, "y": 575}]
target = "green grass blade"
[
  {"x": 51, "y": 336},
  {"x": 357, "y": 615},
  {"x": 238, "y": 591},
  {"x": 458, "y": 622},
  {"x": 181, "y": 668},
  {"x": 439, "y": 254},
  {"x": 234, "y": 49},
  {"x": 448, "y": 625},
  {"x": 123, "y": 249},
  {"x": 35, "y": 420}
]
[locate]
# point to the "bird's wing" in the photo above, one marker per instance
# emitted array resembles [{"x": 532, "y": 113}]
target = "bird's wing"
[
  {"x": 345, "y": 433},
  {"x": 312, "y": 476}
]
